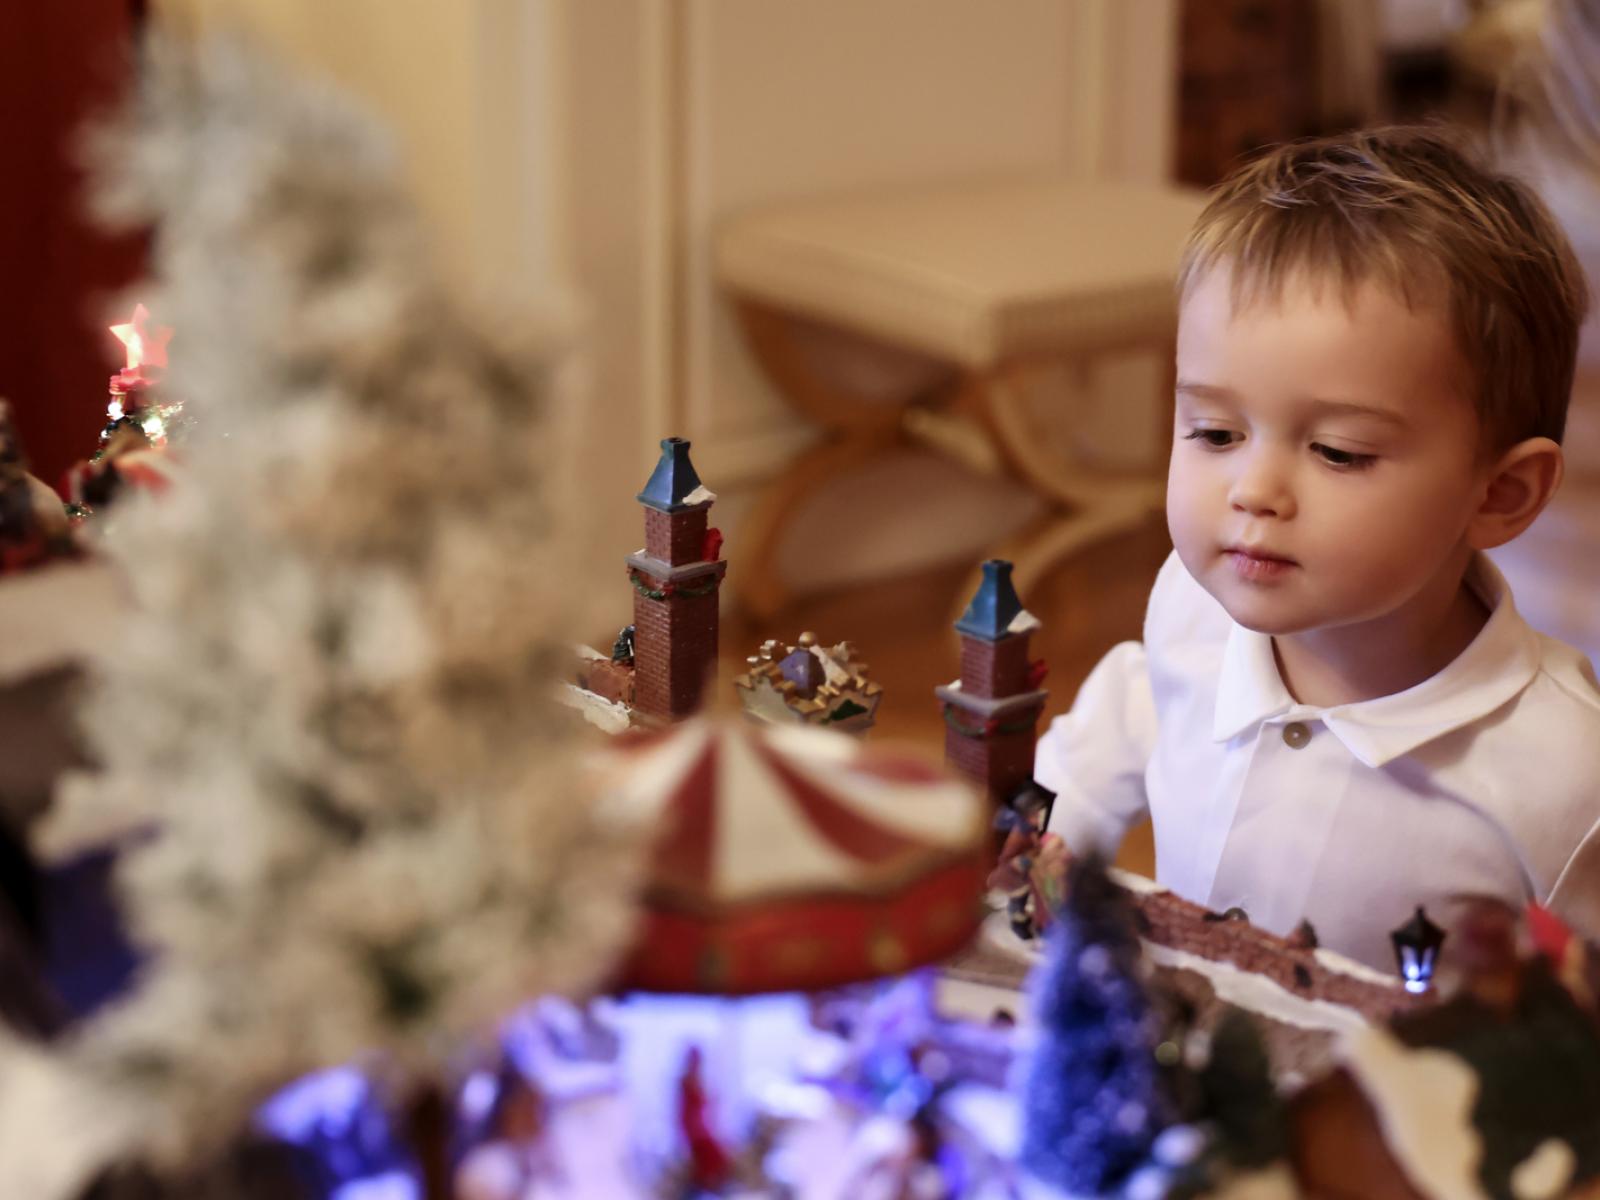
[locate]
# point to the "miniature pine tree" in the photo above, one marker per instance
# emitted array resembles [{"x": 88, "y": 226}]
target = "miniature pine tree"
[
  {"x": 1240, "y": 1099},
  {"x": 1093, "y": 1102}
]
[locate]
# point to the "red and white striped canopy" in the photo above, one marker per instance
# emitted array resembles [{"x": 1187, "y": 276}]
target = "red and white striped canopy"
[{"x": 795, "y": 857}]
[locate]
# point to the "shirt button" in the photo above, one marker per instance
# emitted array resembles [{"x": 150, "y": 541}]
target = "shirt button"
[{"x": 1296, "y": 734}]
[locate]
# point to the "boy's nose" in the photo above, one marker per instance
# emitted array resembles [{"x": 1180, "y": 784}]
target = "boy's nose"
[{"x": 1261, "y": 491}]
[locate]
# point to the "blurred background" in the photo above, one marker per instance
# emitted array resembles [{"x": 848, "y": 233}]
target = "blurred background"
[{"x": 807, "y": 237}]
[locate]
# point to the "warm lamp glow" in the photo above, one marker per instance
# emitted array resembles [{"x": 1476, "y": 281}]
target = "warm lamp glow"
[{"x": 147, "y": 347}]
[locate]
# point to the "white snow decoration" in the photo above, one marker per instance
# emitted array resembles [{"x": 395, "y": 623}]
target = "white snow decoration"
[
  {"x": 50, "y": 1148},
  {"x": 608, "y": 716},
  {"x": 324, "y": 696},
  {"x": 1423, "y": 1099},
  {"x": 1023, "y": 622},
  {"x": 1258, "y": 994},
  {"x": 1544, "y": 1174},
  {"x": 831, "y": 670},
  {"x": 1141, "y": 885},
  {"x": 701, "y": 495},
  {"x": 1335, "y": 961},
  {"x": 56, "y": 615}
]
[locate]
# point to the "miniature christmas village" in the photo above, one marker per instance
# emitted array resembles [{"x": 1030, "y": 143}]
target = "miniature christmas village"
[
  {"x": 361, "y": 848},
  {"x": 1278, "y": 1015}
]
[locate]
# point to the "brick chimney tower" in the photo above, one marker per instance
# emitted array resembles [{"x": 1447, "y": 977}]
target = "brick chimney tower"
[
  {"x": 676, "y": 579},
  {"x": 991, "y": 713}
]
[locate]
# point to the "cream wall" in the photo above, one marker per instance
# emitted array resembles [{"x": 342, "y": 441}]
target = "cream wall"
[
  {"x": 601, "y": 141},
  {"x": 471, "y": 88}
]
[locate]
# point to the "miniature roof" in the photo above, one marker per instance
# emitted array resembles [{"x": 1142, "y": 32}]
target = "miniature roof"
[
  {"x": 793, "y": 857},
  {"x": 804, "y": 669},
  {"x": 995, "y": 606},
  {"x": 673, "y": 484}
]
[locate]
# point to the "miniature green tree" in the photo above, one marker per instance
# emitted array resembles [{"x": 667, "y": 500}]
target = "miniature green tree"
[{"x": 1093, "y": 1103}]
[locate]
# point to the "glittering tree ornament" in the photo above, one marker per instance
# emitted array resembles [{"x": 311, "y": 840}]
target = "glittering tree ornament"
[
  {"x": 1093, "y": 1102},
  {"x": 141, "y": 418},
  {"x": 329, "y": 710},
  {"x": 134, "y": 395}
]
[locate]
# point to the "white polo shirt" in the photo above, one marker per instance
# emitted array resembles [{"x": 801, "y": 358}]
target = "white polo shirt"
[{"x": 1483, "y": 780}]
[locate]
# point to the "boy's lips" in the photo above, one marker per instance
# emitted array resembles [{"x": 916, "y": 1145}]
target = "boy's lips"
[{"x": 1256, "y": 563}]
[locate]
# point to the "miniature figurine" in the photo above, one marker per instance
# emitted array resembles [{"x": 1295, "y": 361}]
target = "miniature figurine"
[{"x": 709, "y": 1163}]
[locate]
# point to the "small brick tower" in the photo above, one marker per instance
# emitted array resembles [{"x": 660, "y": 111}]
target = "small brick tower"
[
  {"x": 676, "y": 578},
  {"x": 991, "y": 714}
]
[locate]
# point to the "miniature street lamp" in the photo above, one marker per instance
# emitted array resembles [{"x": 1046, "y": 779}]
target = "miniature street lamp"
[{"x": 1416, "y": 950}]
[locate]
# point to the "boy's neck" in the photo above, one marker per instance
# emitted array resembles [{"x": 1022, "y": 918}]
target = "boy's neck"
[{"x": 1346, "y": 664}]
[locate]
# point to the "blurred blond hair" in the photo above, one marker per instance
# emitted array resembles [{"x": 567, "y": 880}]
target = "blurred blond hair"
[{"x": 1412, "y": 210}]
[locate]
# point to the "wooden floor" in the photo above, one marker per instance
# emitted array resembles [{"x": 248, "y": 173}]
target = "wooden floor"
[{"x": 902, "y": 628}]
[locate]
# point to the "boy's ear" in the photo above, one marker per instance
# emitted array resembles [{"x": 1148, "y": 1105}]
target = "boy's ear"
[{"x": 1517, "y": 488}]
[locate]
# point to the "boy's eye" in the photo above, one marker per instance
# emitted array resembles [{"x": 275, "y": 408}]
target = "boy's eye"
[
  {"x": 1217, "y": 438},
  {"x": 1347, "y": 459}
]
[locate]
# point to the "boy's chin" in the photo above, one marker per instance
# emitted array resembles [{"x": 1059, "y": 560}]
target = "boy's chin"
[
  {"x": 1264, "y": 616},
  {"x": 1271, "y": 626}
]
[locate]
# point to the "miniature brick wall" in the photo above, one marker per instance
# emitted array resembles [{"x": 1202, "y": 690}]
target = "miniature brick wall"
[
  {"x": 991, "y": 669},
  {"x": 609, "y": 680},
  {"x": 1169, "y": 920},
  {"x": 1001, "y": 764},
  {"x": 676, "y": 538},
  {"x": 675, "y": 651}
]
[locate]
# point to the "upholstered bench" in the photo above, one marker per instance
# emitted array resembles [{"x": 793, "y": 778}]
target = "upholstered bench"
[{"x": 914, "y": 315}]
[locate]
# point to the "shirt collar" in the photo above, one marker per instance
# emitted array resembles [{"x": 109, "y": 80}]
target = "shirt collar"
[{"x": 1499, "y": 663}]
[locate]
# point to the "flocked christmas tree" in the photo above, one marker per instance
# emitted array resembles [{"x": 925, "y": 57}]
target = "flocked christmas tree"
[
  {"x": 329, "y": 712},
  {"x": 1094, "y": 1101}
]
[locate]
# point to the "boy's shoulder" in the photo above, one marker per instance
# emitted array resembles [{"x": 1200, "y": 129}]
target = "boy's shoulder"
[
  {"x": 1537, "y": 760},
  {"x": 1558, "y": 713},
  {"x": 1552, "y": 730},
  {"x": 1570, "y": 673}
]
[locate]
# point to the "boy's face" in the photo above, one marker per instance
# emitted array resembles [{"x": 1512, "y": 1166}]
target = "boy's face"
[{"x": 1325, "y": 457}]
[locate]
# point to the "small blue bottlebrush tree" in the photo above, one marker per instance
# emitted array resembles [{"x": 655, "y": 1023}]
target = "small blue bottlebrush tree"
[{"x": 1093, "y": 1101}]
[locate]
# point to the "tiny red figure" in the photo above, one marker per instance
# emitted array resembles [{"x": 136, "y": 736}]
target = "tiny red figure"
[{"x": 709, "y": 1164}]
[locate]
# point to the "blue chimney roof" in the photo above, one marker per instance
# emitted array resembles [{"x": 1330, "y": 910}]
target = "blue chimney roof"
[
  {"x": 672, "y": 480},
  {"x": 994, "y": 605}
]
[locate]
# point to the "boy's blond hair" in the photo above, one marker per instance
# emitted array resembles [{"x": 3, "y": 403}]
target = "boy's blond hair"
[{"x": 1411, "y": 210}]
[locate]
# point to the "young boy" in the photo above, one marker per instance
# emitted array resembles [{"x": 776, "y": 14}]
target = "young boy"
[{"x": 1336, "y": 713}]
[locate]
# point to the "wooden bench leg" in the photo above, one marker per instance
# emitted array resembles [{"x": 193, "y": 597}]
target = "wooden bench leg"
[
  {"x": 763, "y": 590},
  {"x": 1089, "y": 505}
]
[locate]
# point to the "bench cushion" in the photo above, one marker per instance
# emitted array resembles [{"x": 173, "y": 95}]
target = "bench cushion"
[{"x": 974, "y": 273}]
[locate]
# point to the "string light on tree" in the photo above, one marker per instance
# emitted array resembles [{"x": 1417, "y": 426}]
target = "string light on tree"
[
  {"x": 140, "y": 420},
  {"x": 136, "y": 401}
]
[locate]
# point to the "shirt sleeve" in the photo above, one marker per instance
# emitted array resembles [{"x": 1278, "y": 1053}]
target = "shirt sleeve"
[
  {"x": 1576, "y": 896},
  {"x": 1094, "y": 757}
]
